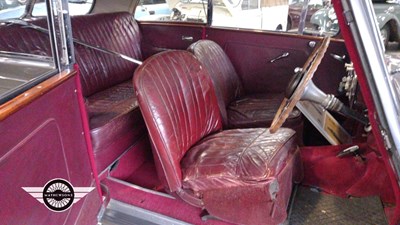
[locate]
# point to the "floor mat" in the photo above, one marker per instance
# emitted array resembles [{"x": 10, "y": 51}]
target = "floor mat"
[{"x": 312, "y": 207}]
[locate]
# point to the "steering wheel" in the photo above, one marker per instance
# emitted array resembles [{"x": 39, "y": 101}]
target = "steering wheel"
[{"x": 298, "y": 84}]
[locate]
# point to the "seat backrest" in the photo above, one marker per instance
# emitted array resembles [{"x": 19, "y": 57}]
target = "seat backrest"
[
  {"x": 179, "y": 106},
  {"x": 227, "y": 82},
  {"x": 113, "y": 31},
  {"x": 118, "y": 32}
]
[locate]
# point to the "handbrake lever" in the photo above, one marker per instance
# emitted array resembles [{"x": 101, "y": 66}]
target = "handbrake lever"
[{"x": 352, "y": 150}]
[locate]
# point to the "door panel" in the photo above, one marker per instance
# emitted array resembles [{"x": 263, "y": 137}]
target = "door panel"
[
  {"x": 157, "y": 37},
  {"x": 42, "y": 141},
  {"x": 251, "y": 54}
]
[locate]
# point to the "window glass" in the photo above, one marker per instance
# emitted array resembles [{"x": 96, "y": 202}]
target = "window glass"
[
  {"x": 194, "y": 11},
  {"x": 251, "y": 14},
  {"x": 274, "y": 15},
  {"x": 320, "y": 19},
  {"x": 10, "y": 9},
  {"x": 28, "y": 54},
  {"x": 249, "y": 4},
  {"x": 76, "y": 7}
]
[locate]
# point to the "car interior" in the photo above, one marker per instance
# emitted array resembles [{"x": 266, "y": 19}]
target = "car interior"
[{"x": 199, "y": 131}]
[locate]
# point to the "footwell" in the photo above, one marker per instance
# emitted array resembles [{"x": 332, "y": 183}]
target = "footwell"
[{"x": 310, "y": 206}]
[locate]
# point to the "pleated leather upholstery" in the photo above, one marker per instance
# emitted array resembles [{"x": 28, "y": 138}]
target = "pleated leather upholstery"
[
  {"x": 115, "y": 119},
  {"x": 114, "y": 116},
  {"x": 258, "y": 110},
  {"x": 113, "y": 31},
  {"x": 243, "y": 176},
  {"x": 15, "y": 38},
  {"x": 172, "y": 90},
  {"x": 224, "y": 76},
  {"x": 239, "y": 109},
  {"x": 237, "y": 157},
  {"x": 116, "y": 122}
]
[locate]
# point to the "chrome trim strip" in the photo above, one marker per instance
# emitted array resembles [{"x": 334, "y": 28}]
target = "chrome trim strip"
[
  {"x": 140, "y": 188},
  {"x": 124, "y": 214},
  {"x": 13, "y": 79}
]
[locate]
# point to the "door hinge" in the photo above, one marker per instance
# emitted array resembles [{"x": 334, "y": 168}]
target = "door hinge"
[
  {"x": 348, "y": 16},
  {"x": 386, "y": 140}
]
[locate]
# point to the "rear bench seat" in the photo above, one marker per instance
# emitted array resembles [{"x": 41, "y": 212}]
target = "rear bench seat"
[{"x": 114, "y": 116}]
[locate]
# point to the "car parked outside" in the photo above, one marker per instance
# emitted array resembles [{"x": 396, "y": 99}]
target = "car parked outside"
[
  {"x": 153, "y": 10},
  {"x": 387, "y": 15},
  {"x": 76, "y": 7},
  {"x": 77, "y": 1},
  {"x": 295, "y": 9},
  {"x": 4, "y": 4},
  {"x": 250, "y": 14}
]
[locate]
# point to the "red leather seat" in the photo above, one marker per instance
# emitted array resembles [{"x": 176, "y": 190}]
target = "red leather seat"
[
  {"x": 239, "y": 109},
  {"x": 240, "y": 175},
  {"x": 115, "y": 120}
]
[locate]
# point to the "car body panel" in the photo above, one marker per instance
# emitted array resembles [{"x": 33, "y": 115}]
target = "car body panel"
[
  {"x": 370, "y": 98},
  {"x": 387, "y": 15},
  {"x": 296, "y": 8},
  {"x": 26, "y": 161}
]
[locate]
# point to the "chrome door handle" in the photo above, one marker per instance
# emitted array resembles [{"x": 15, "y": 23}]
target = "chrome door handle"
[
  {"x": 187, "y": 38},
  {"x": 284, "y": 55}
]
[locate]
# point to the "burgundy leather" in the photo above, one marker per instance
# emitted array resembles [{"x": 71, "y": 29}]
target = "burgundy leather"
[
  {"x": 258, "y": 110},
  {"x": 224, "y": 77},
  {"x": 257, "y": 203},
  {"x": 242, "y": 176},
  {"x": 113, "y": 31},
  {"x": 115, "y": 121},
  {"x": 114, "y": 116},
  {"x": 14, "y": 38},
  {"x": 238, "y": 109},
  {"x": 171, "y": 108},
  {"x": 237, "y": 157}
]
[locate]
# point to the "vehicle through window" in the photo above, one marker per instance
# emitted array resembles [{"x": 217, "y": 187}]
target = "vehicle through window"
[{"x": 11, "y": 9}]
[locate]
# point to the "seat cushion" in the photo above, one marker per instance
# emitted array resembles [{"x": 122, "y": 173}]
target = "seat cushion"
[
  {"x": 115, "y": 122},
  {"x": 237, "y": 157},
  {"x": 245, "y": 175},
  {"x": 259, "y": 111}
]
